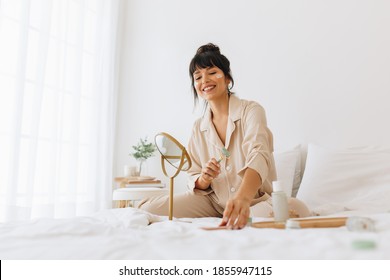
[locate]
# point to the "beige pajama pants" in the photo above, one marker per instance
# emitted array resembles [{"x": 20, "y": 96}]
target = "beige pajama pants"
[{"x": 191, "y": 205}]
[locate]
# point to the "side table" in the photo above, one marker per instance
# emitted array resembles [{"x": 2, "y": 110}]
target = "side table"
[{"x": 126, "y": 197}]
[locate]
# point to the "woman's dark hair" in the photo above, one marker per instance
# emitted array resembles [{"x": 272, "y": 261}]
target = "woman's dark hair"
[{"x": 209, "y": 56}]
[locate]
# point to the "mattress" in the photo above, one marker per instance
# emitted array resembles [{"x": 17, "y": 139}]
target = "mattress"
[{"x": 128, "y": 233}]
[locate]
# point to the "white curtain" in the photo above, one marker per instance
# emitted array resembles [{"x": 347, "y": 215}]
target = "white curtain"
[{"x": 58, "y": 61}]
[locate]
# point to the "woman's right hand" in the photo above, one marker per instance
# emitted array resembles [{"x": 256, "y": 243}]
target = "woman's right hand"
[{"x": 209, "y": 172}]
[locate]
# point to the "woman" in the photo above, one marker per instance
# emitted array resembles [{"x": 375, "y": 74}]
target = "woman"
[{"x": 231, "y": 150}]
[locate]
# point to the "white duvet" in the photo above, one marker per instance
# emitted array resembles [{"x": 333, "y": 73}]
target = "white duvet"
[{"x": 129, "y": 233}]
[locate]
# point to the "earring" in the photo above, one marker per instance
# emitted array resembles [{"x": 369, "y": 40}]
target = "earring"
[{"x": 228, "y": 90}]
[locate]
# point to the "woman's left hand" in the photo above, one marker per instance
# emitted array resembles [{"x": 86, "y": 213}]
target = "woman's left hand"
[{"x": 236, "y": 213}]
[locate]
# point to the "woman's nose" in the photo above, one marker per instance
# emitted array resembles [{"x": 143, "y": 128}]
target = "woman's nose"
[{"x": 205, "y": 79}]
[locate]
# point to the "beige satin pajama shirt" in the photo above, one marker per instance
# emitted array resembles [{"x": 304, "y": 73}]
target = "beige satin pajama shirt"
[{"x": 250, "y": 144}]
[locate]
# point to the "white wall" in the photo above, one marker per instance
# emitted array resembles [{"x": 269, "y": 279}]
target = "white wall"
[{"x": 321, "y": 69}]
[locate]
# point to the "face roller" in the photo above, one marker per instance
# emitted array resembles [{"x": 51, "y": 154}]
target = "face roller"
[{"x": 224, "y": 153}]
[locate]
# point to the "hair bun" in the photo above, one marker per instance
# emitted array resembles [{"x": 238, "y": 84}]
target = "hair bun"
[{"x": 208, "y": 48}]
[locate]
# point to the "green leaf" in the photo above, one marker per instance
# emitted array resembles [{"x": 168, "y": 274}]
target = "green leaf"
[{"x": 143, "y": 149}]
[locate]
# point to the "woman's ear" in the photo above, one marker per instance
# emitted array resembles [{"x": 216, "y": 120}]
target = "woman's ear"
[{"x": 227, "y": 81}]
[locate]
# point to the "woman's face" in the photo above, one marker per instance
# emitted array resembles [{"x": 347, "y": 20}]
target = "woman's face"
[{"x": 210, "y": 83}]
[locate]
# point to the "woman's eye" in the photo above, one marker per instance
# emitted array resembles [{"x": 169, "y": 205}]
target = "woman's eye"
[
  {"x": 197, "y": 78},
  {"x": 212, "y": 73}
]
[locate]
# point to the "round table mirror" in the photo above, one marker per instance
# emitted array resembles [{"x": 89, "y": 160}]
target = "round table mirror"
[
  {"x": 176, "y": 155},
  {"x": 172, "y": 151}
]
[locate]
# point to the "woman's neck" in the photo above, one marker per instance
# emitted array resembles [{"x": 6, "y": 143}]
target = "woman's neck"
[{"x": 220, "y": 108}]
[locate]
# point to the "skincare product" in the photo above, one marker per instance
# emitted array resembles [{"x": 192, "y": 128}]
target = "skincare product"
[{"x": 279, "y": 203}]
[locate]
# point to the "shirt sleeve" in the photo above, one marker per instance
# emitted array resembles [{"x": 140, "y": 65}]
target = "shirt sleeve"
[
  {"x": 257, "y": 143},
  {"x": 193, "y": 149}
]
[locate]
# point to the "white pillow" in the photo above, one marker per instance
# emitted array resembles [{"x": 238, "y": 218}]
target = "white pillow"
[
  {"x": 288, "y": 169},
  {"x": 349, "y": 179}
]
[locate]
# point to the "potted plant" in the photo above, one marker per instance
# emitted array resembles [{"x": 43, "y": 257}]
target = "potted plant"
[{"x": 142, "y": 151}]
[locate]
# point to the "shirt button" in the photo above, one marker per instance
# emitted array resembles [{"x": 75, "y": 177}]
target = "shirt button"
[
  {"x": 228, "y": 168},
  {"x": 232, "y": 189}
]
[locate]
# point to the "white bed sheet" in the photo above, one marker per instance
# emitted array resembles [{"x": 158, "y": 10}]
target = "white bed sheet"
[{"x": 129, "y": 233}]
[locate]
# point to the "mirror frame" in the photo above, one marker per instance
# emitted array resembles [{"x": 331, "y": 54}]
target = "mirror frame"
[{"x": 184, "y": 158}]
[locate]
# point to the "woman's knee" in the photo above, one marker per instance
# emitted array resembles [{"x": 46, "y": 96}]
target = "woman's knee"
[
  {"x": 155, "y": 205},
  {"x": 185, "y": 205},
  {"x": 297, "y": 208}
]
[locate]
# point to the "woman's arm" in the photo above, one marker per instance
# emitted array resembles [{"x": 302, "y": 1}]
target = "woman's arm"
[
  {"x": 200, "y": 174},
  {"x": 257, "y": 146},
  {"x": 237, "y": 211},
  {"x": 209, "y": 172}
]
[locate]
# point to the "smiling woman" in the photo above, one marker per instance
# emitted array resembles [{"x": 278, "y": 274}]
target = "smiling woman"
[
  {"x": 237, "y": 185},
  {"x": 208, "y": 64},
  {"x": 57, "y": 68}
]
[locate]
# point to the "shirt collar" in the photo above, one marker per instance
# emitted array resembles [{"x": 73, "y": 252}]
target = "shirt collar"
[{"x": 235, "y": 112}]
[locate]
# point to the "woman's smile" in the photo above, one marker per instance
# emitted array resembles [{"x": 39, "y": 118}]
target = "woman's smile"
[{"x": 207, "y": 89}]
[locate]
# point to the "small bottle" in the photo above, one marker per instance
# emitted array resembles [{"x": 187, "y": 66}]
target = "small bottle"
[
  {"x": 360, "y": 224},
  {"x": 279, "y": 203}
]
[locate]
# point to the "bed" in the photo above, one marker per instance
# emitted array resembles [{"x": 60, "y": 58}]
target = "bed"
[{"x": 336, "y": 183}]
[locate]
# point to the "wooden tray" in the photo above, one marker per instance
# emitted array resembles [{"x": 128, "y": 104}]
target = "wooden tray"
[{"x": 306, "y": 223}]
